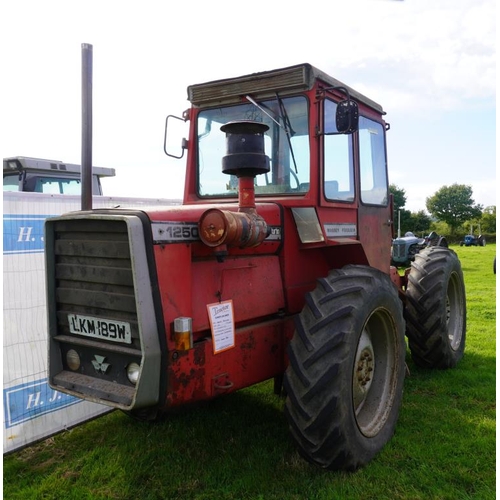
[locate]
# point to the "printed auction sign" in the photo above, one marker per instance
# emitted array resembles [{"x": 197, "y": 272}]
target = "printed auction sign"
[{"x": 222, "y": 325}]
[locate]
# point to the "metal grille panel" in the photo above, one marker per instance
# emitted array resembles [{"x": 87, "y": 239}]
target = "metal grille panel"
[
  {"x": 93, "y": 273},
  {"x": 399, "y": 249}
]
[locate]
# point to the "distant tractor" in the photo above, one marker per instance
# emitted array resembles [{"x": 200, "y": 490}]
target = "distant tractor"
[
  {"x": 277, "y": 266},
  {"x": 36, "y": 175},
  {"x": 472, "y": 241},
  {"x": 405, "y": 248}
]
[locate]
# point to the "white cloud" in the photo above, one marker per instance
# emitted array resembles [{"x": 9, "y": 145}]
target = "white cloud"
[{"x": 435, "y": 51}]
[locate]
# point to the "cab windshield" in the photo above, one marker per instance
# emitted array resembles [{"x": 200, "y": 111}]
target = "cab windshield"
[{"x": 286, "y": 144}]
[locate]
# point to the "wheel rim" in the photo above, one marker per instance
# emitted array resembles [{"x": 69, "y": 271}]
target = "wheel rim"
[
  {"x": 454, "y": 307},
  {"x": 363, "y": 371},
  {"x": 375, "y": 373}
]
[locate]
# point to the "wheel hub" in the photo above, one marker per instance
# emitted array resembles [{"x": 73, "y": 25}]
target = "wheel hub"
[
  {"x": 364, "y": 366},
  {"x": 453, "y": 307}
]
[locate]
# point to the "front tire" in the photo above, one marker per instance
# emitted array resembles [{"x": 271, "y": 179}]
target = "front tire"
[
  {"x": 344, "y": 382},
  {"x": 435, "y": 310}
]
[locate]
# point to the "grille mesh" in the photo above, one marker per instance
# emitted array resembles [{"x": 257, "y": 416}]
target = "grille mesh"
[
  {"x": 399, "y": 249},
  {"x": 93, "y": 273}
]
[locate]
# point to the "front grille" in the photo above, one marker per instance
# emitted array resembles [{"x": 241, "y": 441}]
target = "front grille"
[
  {"x": 101, "y": 304},
  {"x": 93, "y": 273},
  {"x": 399, "y": 250},
  {"x": 92, "y": 277}
]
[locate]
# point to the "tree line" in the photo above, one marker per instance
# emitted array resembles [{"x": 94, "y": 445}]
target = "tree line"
[{"x": 451, "y": 208}]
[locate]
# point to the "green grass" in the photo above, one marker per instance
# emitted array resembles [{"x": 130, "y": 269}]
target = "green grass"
[{"x": 237, "y": 447}]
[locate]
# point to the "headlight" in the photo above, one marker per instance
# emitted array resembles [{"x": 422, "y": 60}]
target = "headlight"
[
  {"x": 73, "y": 360},
  {"x": 133, "y": 370}
]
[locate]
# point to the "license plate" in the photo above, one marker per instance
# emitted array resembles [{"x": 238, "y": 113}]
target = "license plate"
[{"x": 106, "y": 329}]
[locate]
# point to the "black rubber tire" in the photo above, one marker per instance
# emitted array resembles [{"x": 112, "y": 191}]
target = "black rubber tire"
[
  {"x": 352, "y": 313},
  {"x": 412, "y": 251},
  {"x": 435, "y": 310}
]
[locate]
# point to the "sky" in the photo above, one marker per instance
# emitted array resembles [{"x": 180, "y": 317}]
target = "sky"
[{"x": 430, "y": 63}]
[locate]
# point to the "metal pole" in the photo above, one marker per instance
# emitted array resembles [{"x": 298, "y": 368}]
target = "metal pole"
[{"x": 86, "y": 126}]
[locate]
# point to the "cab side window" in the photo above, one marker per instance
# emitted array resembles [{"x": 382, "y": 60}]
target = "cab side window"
[
  {"x": 338, "y": 159},
  {"x": 372, "y": 162}
]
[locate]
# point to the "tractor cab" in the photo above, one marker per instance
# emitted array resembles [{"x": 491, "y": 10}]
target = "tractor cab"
[
  {"x": 36, "y": 175},
  {"x": 326, "y": 148}
]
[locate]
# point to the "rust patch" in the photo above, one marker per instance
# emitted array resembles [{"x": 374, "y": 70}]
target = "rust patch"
[
  {"x": 199, "y": 356},
  {"x": 250, "y": 343},
  {"x": 183, "y": 380}
]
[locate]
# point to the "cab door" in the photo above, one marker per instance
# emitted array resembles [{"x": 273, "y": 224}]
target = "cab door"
[{"x": 374, "y": 208}]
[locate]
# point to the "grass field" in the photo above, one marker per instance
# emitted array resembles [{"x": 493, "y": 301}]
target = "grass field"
[{"x": 237, "y": 447}]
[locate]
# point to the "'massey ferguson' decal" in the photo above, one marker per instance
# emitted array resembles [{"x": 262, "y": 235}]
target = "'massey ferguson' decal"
[
  {"x": 340, "y": 230},
  {"x": 185, "y": 232}
]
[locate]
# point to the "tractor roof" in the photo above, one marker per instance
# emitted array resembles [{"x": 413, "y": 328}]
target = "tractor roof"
[
  {"x": 23, "y": 163},
  {"x": 265, "y": 84}
]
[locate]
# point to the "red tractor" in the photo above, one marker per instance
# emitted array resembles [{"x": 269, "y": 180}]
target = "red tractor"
[{"x": 277, "y": 265}]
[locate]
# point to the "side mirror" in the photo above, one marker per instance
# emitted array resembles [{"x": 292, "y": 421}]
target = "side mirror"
[
  {"x": 347, "y": 117},
  {"x": 171, "y": 139}
]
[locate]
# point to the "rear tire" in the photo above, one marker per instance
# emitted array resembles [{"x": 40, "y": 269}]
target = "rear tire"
[
  {"x": 435, "y": 311},
  {"x": 344, "y": 381}
]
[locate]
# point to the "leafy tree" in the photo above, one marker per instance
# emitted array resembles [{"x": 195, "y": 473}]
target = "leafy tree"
[
  {"x": 441, "y": 228},
  {"x": 399, "y": 195},
  {"x": 400, "y": 214},
  {"x": 453, "y": 205},
  {"x": 420, "y": 222},
  {"x": 488, "y": 220},
  {"x": 485, "y": 223}
]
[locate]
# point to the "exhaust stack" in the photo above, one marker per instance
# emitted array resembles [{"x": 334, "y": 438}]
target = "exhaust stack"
[
  {"x": 86, "y": 172},
  {"x": 245, "y": 159}
]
